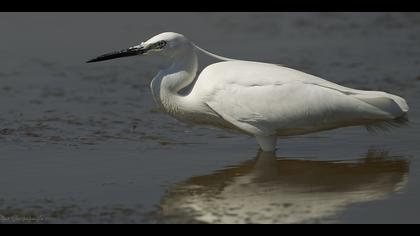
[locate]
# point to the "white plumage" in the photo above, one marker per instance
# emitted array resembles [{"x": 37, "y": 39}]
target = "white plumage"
[{"x": 261, "y": 99}]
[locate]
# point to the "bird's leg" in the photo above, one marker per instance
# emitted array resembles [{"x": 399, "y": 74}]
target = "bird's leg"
[{"x": 267, "y": 143}]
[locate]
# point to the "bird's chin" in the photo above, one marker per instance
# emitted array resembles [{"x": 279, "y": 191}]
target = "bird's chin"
[{"x": 148, "y": 52}]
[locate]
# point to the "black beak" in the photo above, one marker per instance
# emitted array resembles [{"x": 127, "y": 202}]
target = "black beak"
[{"x": 133, "y": 51}]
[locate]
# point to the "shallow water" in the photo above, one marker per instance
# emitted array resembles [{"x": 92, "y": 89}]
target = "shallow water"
[{"x": 85, "y": 143}]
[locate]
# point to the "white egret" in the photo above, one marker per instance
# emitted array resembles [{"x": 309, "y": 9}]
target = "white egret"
[{"x": 260, "y": 99}]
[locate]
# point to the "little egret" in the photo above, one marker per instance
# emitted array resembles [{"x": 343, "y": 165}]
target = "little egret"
[{"x": 261, "y": 99}]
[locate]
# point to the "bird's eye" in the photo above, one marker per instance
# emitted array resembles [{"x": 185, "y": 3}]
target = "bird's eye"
[{"x": 161, "y": 44}]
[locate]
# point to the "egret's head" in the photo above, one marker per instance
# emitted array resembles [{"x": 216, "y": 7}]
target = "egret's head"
[{"x": 167, "y": 44}]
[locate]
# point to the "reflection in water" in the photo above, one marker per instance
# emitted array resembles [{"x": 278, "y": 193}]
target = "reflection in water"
[{"x": 271, "y": 190}]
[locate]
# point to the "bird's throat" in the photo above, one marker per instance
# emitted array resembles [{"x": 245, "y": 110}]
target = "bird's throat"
[{"x": 168, "y": 83}]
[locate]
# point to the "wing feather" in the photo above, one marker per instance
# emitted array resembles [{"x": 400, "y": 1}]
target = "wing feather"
[{"x": 266, "y": 98}]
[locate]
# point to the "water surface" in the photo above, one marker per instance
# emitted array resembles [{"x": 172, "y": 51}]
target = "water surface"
[{"x": 85, "y": 143}]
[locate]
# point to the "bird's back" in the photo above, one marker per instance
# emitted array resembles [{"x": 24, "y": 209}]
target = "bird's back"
[{"x": 265, "y": 98}]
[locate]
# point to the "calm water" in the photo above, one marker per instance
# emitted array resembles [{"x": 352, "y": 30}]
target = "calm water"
[{"x": 84, "y": 142}]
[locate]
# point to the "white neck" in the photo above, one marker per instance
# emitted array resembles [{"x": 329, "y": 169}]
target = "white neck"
[{"x": 168, "y": 83}]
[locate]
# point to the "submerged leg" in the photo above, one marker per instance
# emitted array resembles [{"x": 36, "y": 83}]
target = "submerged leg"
[{"x": 267, "y": 143}]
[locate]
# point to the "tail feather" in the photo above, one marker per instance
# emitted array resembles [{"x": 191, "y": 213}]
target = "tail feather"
[
  {"x": 385, "y": 125},
  {"x": 394, "y": 106}
]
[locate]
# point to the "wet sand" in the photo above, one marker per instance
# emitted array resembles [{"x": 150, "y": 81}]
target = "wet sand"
[{"x": 85, "y": 143}]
